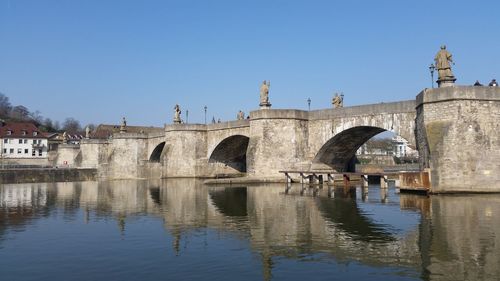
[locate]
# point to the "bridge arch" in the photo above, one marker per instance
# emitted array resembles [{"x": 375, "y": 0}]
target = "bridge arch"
[
  {"x": 232, "y": 152},
  {"x": 338, "y": 151},
  {"x": 157, "y": 152}
]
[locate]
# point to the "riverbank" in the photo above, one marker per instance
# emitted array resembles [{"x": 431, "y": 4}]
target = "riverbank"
[{"x": 47, "y": 175}]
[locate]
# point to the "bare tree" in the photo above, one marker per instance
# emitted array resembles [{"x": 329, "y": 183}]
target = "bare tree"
[
  {"x": 71, "y": 125},
  {"x": 20, "y": 112},
  {"x": 48, "y": 124},
  {"x": 36, "y": 116},
  {"x": 56, "y": 126},
  {"x": 5, "y": 106}
]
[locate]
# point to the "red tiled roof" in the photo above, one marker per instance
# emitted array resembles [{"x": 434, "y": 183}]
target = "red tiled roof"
[{"x": 20, "y": 130}]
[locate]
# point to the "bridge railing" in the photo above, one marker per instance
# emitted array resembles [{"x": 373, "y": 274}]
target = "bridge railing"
[{"x": 390, "y": 107}]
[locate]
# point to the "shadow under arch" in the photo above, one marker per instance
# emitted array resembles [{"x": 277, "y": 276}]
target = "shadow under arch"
[
  {"x": 156, "y": 154},
  {"x": 346, "y": 215},
  {"x": 232, "y": 152},
  {"x": 341, "y": 148},
  {"x": 230, "y": 201}
]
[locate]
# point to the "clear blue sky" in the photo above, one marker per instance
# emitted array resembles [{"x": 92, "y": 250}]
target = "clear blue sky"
[{"x": 100, "y": 60}]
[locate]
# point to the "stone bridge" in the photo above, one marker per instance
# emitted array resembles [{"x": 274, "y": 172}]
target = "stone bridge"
[
  {"x": 455, "y": 130},
  {"x": 277, "y": 139}
]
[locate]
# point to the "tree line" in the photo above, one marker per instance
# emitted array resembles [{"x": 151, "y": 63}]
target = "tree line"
[{"x": 20, "y": 113}]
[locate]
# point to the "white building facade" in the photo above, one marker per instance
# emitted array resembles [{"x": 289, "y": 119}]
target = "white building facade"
[
  {"x": 402, "y": 149},
  {"x": 22, "y": 141}
]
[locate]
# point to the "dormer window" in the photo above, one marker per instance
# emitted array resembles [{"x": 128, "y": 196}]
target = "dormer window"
[
  {"x": 24, "y": 133},
  {"x": 9, "y": 132},
  {"x": 35, "y": 133}
]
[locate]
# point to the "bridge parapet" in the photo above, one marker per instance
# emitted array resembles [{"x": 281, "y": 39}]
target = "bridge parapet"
[
  {"x": 279, "y": 114},
  {"x": 156, "y": 134},
  {"x": 130, "y": 136},
  {"x": 360, "y": 110},
  {"x": 185, "y": 127},
  {"x": 228, "y": 125},
  {"x": 461, "y": 93}
]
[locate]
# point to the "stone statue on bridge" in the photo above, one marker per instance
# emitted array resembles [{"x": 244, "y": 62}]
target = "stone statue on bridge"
[
  {"x": 338, "y": 101},
  {"x": 443, "y": 60},
  {"x": 177, "y": 114},
  {"x": 123, "y": 126},
  {"x": 65, "y": 137},
  {"x": 264, "y": 94},
  {"x": 241, "y": 115},
  {"x": 87, "y": 132}
]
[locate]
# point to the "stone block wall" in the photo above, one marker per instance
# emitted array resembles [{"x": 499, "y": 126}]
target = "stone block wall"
[
  {"x": 278, "y": 141},
  {"x": 458, "y": 135},
  {"x": 185, "y": 151},
  {"x": 69, "y": 155},
  {"x": 94, "y": 152},
  {"x": 126, "y": 156}
]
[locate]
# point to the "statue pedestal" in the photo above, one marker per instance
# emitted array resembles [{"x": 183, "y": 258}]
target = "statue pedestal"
[
  {"x": 177, "y": 121},
  {"x": 265, "y": 106},
  {"x": 446, "y": 82}
]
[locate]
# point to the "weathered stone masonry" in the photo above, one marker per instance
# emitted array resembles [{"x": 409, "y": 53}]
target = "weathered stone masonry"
[
  {"x": 456, "y": 130},
  {"x": 458, "y": 137}
]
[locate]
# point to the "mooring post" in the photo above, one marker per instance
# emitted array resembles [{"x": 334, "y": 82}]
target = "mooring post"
[
  {"x": 383, "y": 195},
  {"x": 364, "y": 179},
  {"x": 364, "y": 194},
  {"x": 347, "y": 181},
  {"x": 331, "y": 179},
  {"x": 311, "y": 179},
  {"x": 288, "y": 182},
  {"x": 383, "y": 182}
]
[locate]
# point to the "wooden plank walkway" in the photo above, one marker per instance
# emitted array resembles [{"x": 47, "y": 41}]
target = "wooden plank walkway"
[
  {"x": 316, "y": 177},
  {"x": 408, "y": 181}
]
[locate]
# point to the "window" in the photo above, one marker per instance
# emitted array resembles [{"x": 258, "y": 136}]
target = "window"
[
  {"x": 5, "y": 151},
  {"x": 5, "y": 140},
  {"x": 12, "y": 151},
  {"x": 25, "y": 141},
  {"x": 35, "y": 133},
  {"x": 26, "y": 151},
  {"x": 40, "y": 152},
  {"x": 19, "y": 150},
  {"x": 20, "y": 141},
  {"x": 33, "y": 152}
]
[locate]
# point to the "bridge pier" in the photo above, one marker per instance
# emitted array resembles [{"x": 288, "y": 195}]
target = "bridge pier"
[
  {"x": 384, "y": 183},
  {"x": 278, "y": 141},
  {"x": 457, "y": 130},
  {"x": 186, "y": 154},
  {"x": 364, "y": 180}
]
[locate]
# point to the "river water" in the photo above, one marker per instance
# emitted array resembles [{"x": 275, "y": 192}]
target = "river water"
[{"x": 183, "y": 230}]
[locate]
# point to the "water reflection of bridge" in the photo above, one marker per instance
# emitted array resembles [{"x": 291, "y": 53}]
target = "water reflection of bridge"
[{"x": 287, "y": 226}]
